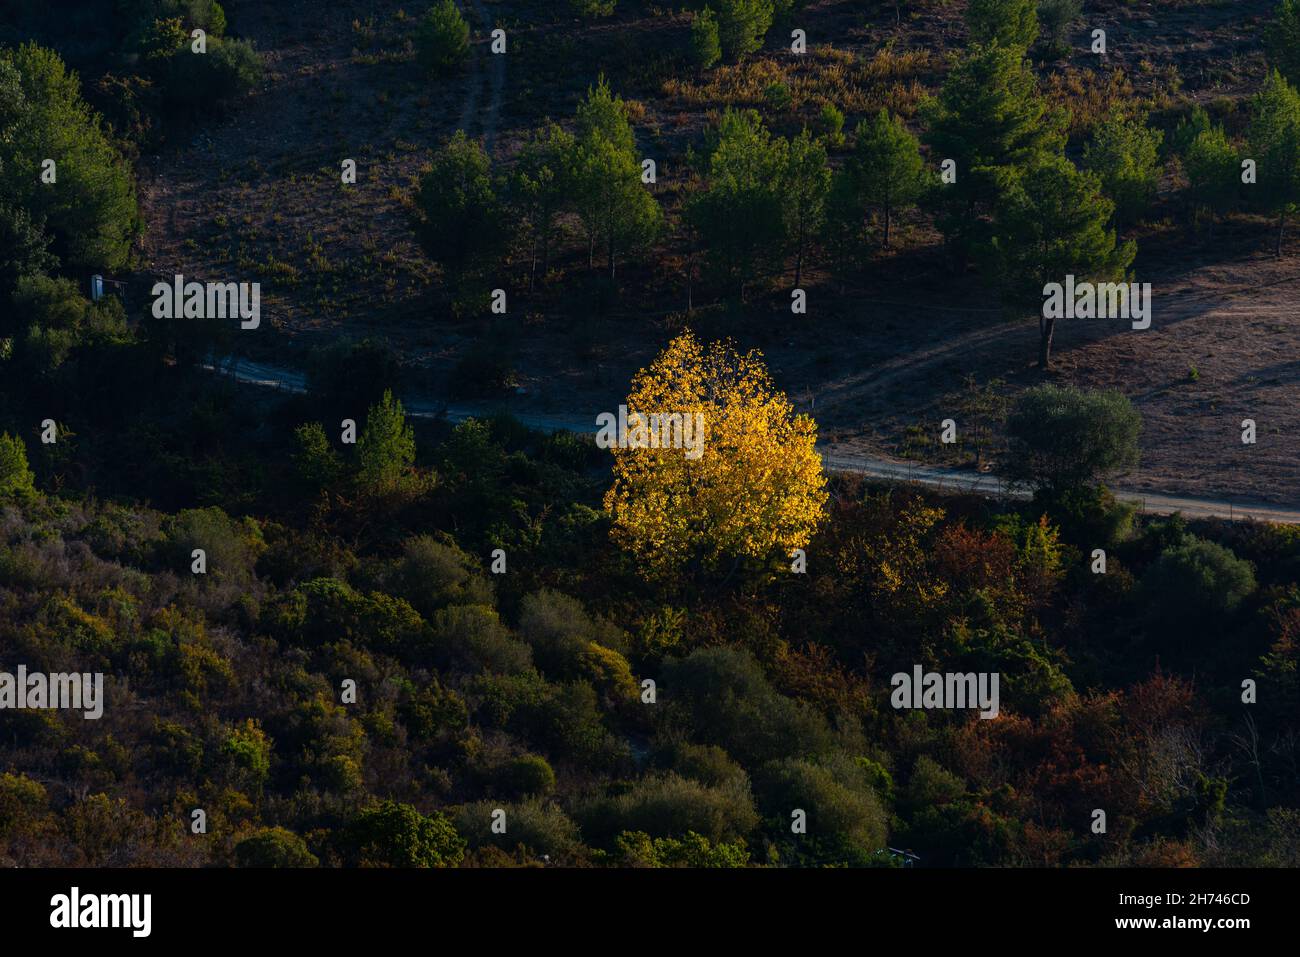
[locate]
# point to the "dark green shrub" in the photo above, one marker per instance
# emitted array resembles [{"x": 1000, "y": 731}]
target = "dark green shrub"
[
  {"x": 442, "y": 38},
  {"x": 274, "y": 847},
  {"x": 397, "y": 835}
]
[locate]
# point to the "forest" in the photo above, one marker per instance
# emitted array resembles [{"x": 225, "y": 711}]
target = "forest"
[{"x": 338, "y": 629}]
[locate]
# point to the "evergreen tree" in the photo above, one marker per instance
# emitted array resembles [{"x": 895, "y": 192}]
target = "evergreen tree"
[
  {"x": 1012, "y": 23},
  {"x": 706, "y": 43},
  {"x": 742, "y": 25},
  {"x": 386, "y": 449},
  {"x": 1056, "y": 17},
  {"x": 1282, "y": 40},
  {"x": 1275, "y": 144},
  {"x": 806, "y": 182},
  {"x": 991, "y": 120},
  {"x": 442, "y": 38},
  {"x": 91, "y": 213},
  {"x": 23, "y": 252},
  {"x": 1185, "y": 133},
  {"x": 1214, "y": 174},
  {"x": 887, "y": 166},
  {"x": 540, "y": 188},
  {"x": 739, "y": 213},
  {"x": 615, "y": 207},
  {"x": 1124, "y": 154},
  {"x": 458, "y": 218},
  {"x": 1053, "y": 223},
  {"x": 15, "y": 477}
]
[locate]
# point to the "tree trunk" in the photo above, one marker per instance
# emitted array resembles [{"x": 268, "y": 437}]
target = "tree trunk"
[
  {"x": 690, "y": 280},
  {"x": 887, "y": 217},
  {"x": 1281, "y": 228},
  {"x": 798, "y": 261},
  {"x": 1046, "y": 327}
]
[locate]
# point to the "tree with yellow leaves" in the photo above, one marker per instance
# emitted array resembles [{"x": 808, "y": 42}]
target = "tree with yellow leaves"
[{"x": 753, "y": 490}]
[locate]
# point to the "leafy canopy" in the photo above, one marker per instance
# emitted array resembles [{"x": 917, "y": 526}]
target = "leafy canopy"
[{"x": 756, "y": 491}]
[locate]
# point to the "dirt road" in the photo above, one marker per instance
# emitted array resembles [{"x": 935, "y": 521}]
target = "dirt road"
[{"x": 855, "y": 462}]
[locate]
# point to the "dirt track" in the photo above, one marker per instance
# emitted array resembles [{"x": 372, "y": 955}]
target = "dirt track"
[{"x": 833, "y": 460}]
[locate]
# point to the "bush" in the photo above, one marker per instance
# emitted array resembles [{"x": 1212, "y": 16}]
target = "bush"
[
  {"x": 432, "y": 574},
  {"x": 844, "y": 818},
  {"x": 1062, "y": 438},
  {"x": 527, "y": 776},
  {"x": 16, "y": 479},
  {"x": 231, "y": 548},
  {"x": 442, "y": 38},
  {"x": 731, "y": 703},
  {"x": 1195, "y": 581},
  {"x": 540, "y": 826},
  {"x": 274, "y": 847},
  {"x": 397, "y": 835},
  {"x": 709, "y": 765},
  {"x": 666, "y": 805},
  {"x": 561, "y": 634},
  {"x": 639, "y": 849},
  {"x": 1088, "y": 516},
  {"x": 593, "y": 8},
  {"x": 471, "y": 638},
  {"x": 324, "y": 611},
  {"x": 229, "y": 69}
]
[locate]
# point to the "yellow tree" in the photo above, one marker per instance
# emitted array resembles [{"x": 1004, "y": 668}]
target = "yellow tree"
[{"x": 746, "y": 482}]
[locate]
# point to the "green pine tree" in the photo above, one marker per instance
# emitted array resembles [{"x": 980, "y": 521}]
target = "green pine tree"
[
  {"x": 1125, "y": 154},
  {"x": 90, "y": 208},
  {"x": 1275, "y": 145},
  {"x": 386, "y": 449},
  {"x": 1053, "y": 223},
  {"x": 806, "y": 182},
  {"x": 442, "y": 38},
  {"x": 742, "y": 25},
  {"x": 991, "y": 120},
  {"x": 616, "y": 209},
  {"x": 1214, "y": 174},
  {"x": 887, "y": 166},
  {"x": 738, "y": 215},
  {"x": 540, "y": 187},
  {"x": 1282, "y": 40},
  {"x": 458, "y": 218},
  {"x": 1012, "y": 23},
  {"x": 706, "y": 43}
]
